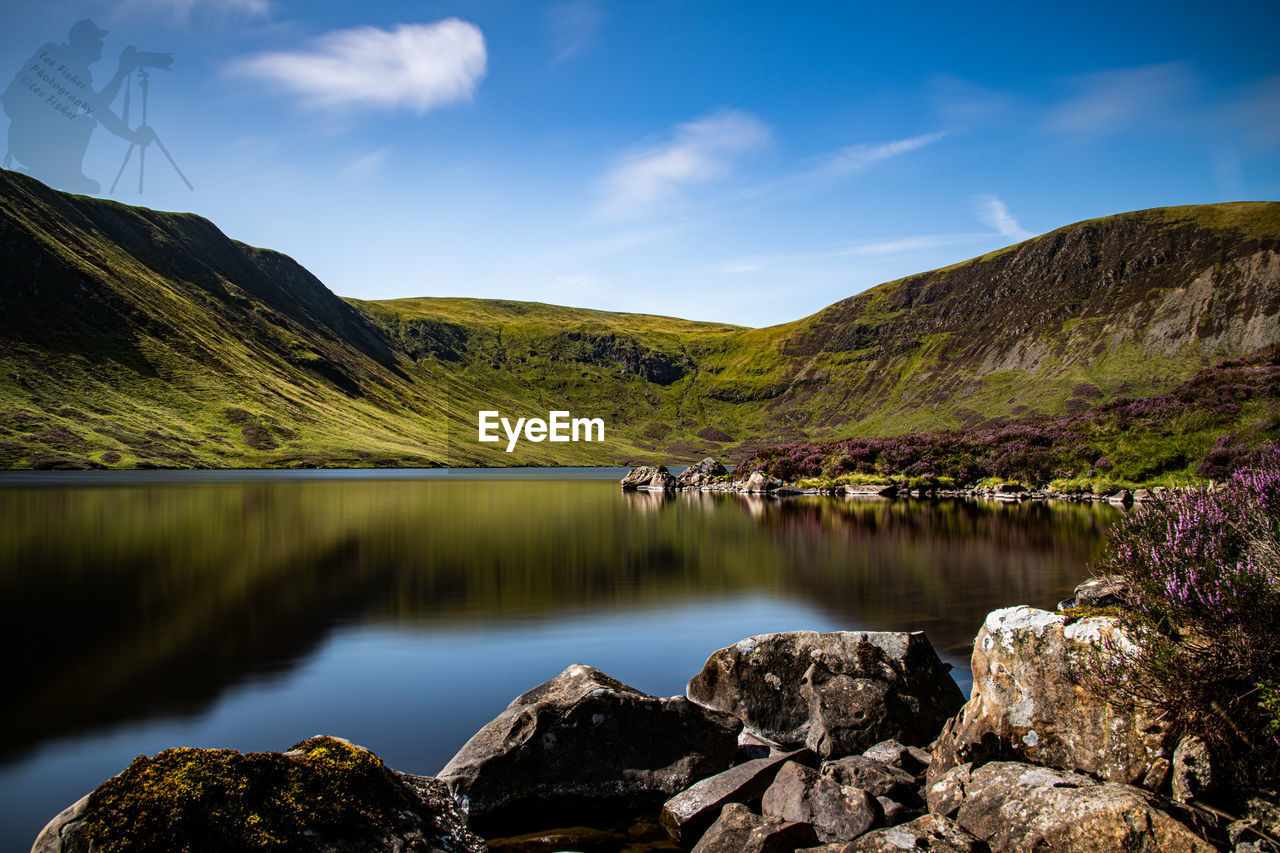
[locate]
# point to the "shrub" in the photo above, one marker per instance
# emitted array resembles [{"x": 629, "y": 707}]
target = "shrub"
[{"x": 1203, "y": 572}]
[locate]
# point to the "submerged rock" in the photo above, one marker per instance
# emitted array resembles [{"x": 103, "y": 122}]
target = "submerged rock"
[
  {"x": 1028, "y": 703},
  {"x": 585, "y": 740},
  {"x": 836, "y": 693},
  {"x": 324, "y": 795},
  {"x": 1015, "y": 807}
]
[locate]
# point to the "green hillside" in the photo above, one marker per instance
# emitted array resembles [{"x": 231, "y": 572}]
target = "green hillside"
[{"x": 134, "y": 338}]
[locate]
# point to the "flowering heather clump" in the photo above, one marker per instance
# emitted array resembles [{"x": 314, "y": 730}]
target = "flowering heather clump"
[{"x": 1203, "y": 570}]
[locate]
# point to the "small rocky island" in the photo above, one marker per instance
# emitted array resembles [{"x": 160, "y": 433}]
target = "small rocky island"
[{"x": 843, "y": 742}]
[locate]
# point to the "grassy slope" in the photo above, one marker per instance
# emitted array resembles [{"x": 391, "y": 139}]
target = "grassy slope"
[{"x": 130, "y": 337}]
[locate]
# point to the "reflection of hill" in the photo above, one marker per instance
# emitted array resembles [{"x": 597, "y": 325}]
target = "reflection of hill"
[{"x": 128, "y": 602}]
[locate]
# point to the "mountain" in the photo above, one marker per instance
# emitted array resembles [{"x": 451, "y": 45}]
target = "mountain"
[{"x": 135, "y": 338}]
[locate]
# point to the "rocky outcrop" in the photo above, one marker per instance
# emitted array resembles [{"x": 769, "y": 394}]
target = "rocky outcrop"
[
  {"x": 836, "y": 812},
  {"x": 651, "y": 477},
  {"x": 836, "y": 693},
  {"x": 701, "y": 472},
  {"x": 1015, "y": 807},
  {"x": 1028, "y": 703},
  {"x": 325, "y": 795},
  {"x": 739, "y": 830},
  {"x": 584, "y": 739},
  {"x": 688, "y": 814}
]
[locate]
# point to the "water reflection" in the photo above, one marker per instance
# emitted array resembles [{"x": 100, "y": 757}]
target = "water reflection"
[{"x": 127, "y": 603}]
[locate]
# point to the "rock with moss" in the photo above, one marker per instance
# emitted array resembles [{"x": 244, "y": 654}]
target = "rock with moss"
[
  {"x": 836, "y": 693},
  {"x": 586, "y": 742},
  {"x": 324, "y": 795},
  {"x": 1028, "y": 702}
]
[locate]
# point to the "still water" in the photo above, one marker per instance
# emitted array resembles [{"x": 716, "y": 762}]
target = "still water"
[{"x": 403, "y": 610}]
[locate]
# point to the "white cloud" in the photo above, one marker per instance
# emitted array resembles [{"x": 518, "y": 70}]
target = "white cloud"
[
  {"x": 1111, "y": 100},
  {"x": 414, "y": 66},
  {"x": 857, "y": 158},
  {"x": 993, "y": 212},
  {"x": 697, "y": 152},
  {"x": 574, "y": 24}
]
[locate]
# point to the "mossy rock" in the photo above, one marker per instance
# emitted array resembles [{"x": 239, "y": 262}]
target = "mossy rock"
[{"x": 324, "y": 794}]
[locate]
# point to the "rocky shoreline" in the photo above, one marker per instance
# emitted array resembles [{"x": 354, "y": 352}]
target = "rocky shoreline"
[
  {"x": 710, "y": 476},
  {"x": 841, "y": 742}
]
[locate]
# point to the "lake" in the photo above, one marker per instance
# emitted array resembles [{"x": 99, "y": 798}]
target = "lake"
[{"x": 404, "y": 609}]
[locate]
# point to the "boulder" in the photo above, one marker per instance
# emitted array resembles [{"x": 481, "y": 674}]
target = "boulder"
[
  {"x": 1027, "y": 702},
  {"x": 325, "y": 795},
  {"x": 687, "y": 815},
  {"x": 758, "y": 482},
  {"x": 929, "y": 832},
  {"x": 585, "y": 740},
  {"x": 1099, "y": 592},
  {"x": 836, "y": 813},
  {"x": 875, "y": 777},
  {"x": 1016, "y": 807},
  {"x": 1124, "y": 496},
  {"x": 700, "y": 472},
  {"x": 651, "y": 477},
  {"x": 912, "y": 759},
  {"x": 836, "y": 693},
  {"x": 886, "y": 490},
  {"x": 945, "y": 794},
  {"x": 739, "y": 830}
]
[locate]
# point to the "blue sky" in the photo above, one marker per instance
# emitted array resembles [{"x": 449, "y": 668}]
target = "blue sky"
[{"x": 734, "y": 161}]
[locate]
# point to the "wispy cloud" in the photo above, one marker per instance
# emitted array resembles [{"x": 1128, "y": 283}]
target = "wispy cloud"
[
  {"x": 1107, "y": 101},
  {"x": 697, "y": 152},
  {"x": 413, "y": 66},
  {"x": 368, "y": 164},
  {"x": 574, "y": 24},
  {"x": 184, "y": 9},
  {"x": 853, "y": 159},
  {"x": 994, "y": 213}
]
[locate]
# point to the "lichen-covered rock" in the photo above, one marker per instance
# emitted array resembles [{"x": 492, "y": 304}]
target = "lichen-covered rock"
[
  {"x": 739, "y": 830},
  {"x": 836, "y": 812},
  {"x": 324, "y": 795},
  {"x": 1191, "y": 770},
  {"x": 1015, "y": 807},
  {"x": 836, "y": 693},
  {"x": 929, "y": 832},
  {"x": 1028, "y": 702},
  {"x": 587, "y": 739},
  {"x": 688, "y": 814},
  {"x": 945, "y": 794},
  {"x": 652, "y": 477},
  {"x": 700, "y": 472}
]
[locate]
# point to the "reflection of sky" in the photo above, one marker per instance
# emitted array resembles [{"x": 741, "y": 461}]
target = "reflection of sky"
[{"x": 413, "y": 696}]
